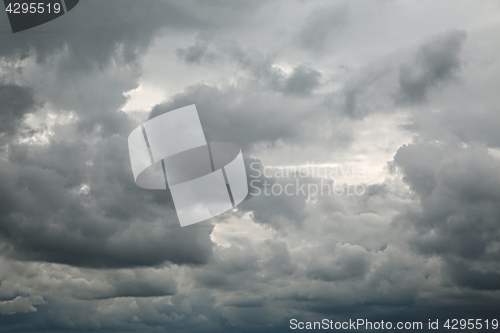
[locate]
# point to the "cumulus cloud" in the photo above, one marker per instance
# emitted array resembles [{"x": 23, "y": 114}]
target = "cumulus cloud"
[
  {"x": 83, "y": 248},
  {"x": 458, "y": 216},
  {"x": 196, "y": 53},
  {"x": 20, "y": 305},
  {"x": 437, "y": 61},
  {"x": 322, "y": 25},
  {"x": 16, "y": 101}
]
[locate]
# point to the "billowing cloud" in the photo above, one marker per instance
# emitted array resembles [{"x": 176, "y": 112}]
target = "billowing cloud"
[
  {"x": 295, "y": 84},
  {"x": 458, "y": 217},
  {"x": 437, "y": 61},
  {"x": 16, "y": 102},
  {"x": 322, "y": 25}
]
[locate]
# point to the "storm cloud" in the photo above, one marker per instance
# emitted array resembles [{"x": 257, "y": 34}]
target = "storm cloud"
[{"x": 402, "y": 108}]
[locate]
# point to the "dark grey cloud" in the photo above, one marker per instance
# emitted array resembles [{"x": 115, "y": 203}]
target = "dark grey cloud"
[
  {"x": 93, "y": 38},
  {"x": 100, "y": 31},
  {"x": 322, "y": 25},
  {"x": 383, "y": 85},
  {"x": 458, "y": 217},
  {"x": 418, "y": 172},
  {"x": 15, "y": 102},
  {"x": 83, "y": 248},
  {"x": 234, "y": 115},
  {"x": 277, "y": 211},
  {"x": 458, "y": 123},
  {"x": 390, "y": 83},
  {"x": 450, "y": 168},
  {"x": 88, "y": 215},
  {"x": 138, "y": 284},
  {"x": 348, "y": 263},
  {"x": 436, "y": 62},
  {"x": 73, "y": 200},
  {"x": 365, "y": 92},
  {"x": 195, "y": 54},
  {"x": 466, "y": 275},
  {"x": 302, "y": 81}
]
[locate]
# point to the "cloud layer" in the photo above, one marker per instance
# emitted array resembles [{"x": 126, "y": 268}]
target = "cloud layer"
[{"x": 332, "y": 84}]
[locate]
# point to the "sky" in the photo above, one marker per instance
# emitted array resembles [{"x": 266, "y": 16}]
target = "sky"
[{"x": 405, "y": 89}]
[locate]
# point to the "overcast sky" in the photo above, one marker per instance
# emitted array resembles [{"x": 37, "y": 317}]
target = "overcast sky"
[{"x": 408, "y": 89}]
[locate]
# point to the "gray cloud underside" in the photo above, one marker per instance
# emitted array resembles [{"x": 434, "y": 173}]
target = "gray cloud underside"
[{"x": 83, "y": 248}]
